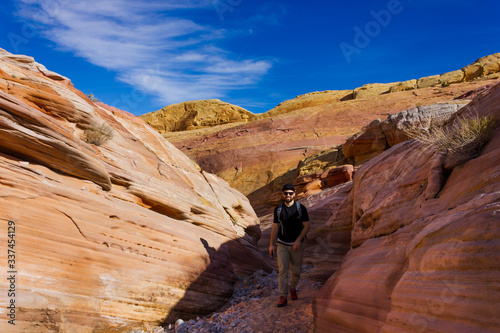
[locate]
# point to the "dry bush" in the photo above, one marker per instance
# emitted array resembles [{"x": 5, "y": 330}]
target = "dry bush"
[
  {"x": 92, "y": 98},
  {"x": 461, "y": 141},
  {"x": 98, "y": 134}
]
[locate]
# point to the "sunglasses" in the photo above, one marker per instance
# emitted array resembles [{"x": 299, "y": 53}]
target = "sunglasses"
[{"x": 288, "y": 193}]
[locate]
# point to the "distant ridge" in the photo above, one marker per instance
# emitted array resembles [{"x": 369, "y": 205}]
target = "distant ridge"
[
  {"x": 208, "y": 113},
  {"x": 484, "y": 68}
]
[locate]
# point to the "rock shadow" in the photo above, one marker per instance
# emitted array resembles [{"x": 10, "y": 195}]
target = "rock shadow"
[{"x": 213, "y": 288}]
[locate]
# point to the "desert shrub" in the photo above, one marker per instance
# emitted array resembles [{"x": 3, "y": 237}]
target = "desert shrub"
[
  {"x": 98, "y": 134},
  {"x": 92, "y": 97},
  {"x": 460, "y": 141}
]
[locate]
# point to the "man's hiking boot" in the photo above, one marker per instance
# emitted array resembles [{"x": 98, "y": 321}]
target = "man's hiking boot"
[
  {"x": 293, "y": 294},
  {"x": 282, "y": 302}
]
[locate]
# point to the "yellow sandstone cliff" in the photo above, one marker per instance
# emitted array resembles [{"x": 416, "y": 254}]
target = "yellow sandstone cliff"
[{"x": 191, "y": 115}]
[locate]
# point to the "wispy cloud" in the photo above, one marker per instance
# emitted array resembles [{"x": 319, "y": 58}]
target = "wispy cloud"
[{"x": 152, "y": 45}]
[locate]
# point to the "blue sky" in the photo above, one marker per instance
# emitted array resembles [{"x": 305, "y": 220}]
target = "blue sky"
[{"x": 142, "y": 55}]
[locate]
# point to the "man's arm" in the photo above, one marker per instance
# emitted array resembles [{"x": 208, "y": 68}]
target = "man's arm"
[
  {"x": 305, "y": 230},
  {"x": 274, "y": 234}
]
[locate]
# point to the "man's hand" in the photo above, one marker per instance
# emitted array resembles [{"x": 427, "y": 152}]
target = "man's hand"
[
  {"x": 296, "y": 245},
  {"x": 272, "y": 250}
]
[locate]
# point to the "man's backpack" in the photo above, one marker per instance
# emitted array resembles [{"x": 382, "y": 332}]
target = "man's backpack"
[{"x": 280, "y": 208}]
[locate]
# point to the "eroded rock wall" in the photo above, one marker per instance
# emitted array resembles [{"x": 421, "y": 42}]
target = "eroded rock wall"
[
  {"x": 258, "y": 157},
  {"x": 115, "y": 236},
  {"x": 425, "y": 245},
  {"x": 379, "y": 136}
]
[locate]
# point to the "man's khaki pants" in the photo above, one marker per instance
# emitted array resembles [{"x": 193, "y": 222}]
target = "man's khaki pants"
[{"x": 287, "y": 256}]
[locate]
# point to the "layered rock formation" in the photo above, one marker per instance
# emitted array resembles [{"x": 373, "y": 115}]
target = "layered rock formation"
[
  {"x": 321, "y": 161},
  {"x": 206, "y": 113},
  {"x": 485, "y": 68},
  {"x": 308, "y": 100},
  {"x": 319, "y": 176},
  {"x": 425, "y": 244},
  {"x": 378, "y": 136},
  {"x": 191, "y": 115},
  {"x": 125, "y": 234},
  {"x": 257, "y": 158}
]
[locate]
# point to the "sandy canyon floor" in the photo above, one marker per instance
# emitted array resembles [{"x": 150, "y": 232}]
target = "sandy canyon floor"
[{"x": 253, "y": 309}]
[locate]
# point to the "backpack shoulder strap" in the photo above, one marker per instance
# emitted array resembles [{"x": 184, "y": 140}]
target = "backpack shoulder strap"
[
  {"x": 278, "y": 212},
  {"x": 299, "y": 209}
]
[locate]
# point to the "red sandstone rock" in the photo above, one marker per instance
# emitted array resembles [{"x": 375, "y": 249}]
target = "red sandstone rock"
[
  {"x": 425, "y": 248},
  {"x": 378, "y": 136},
  {"x": 314, "y": 185},
  {"x": 257, "y": 158},
  {"x": 336, "y": 176},
  {"x": 108, "y": 237},
  {"x": 371, "y": 139},
  {"x": 329, "y": 238},
  {"x": 315, "y": 182}
]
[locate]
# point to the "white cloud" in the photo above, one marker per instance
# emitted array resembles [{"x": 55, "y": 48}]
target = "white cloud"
[{"x": 149, "y": 43}]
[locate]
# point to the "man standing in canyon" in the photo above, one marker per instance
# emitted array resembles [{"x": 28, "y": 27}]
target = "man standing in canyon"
[{"x": 290, "y": 227}]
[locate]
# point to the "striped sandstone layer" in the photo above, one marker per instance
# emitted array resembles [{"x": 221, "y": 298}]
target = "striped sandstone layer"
[
  {"x": 125, "y": 234},
  {"x": 425, "y": 244},
  {"x": 258, "y": 157}
]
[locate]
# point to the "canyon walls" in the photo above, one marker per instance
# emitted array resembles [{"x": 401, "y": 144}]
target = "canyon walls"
[
  {"x": 425, "y": 241},
  {"x": 258, "y": 154},
  {"x": 114, "y": 227}
]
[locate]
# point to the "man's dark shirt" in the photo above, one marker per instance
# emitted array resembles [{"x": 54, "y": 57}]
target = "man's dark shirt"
[{"x": 291, "y": 226}]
